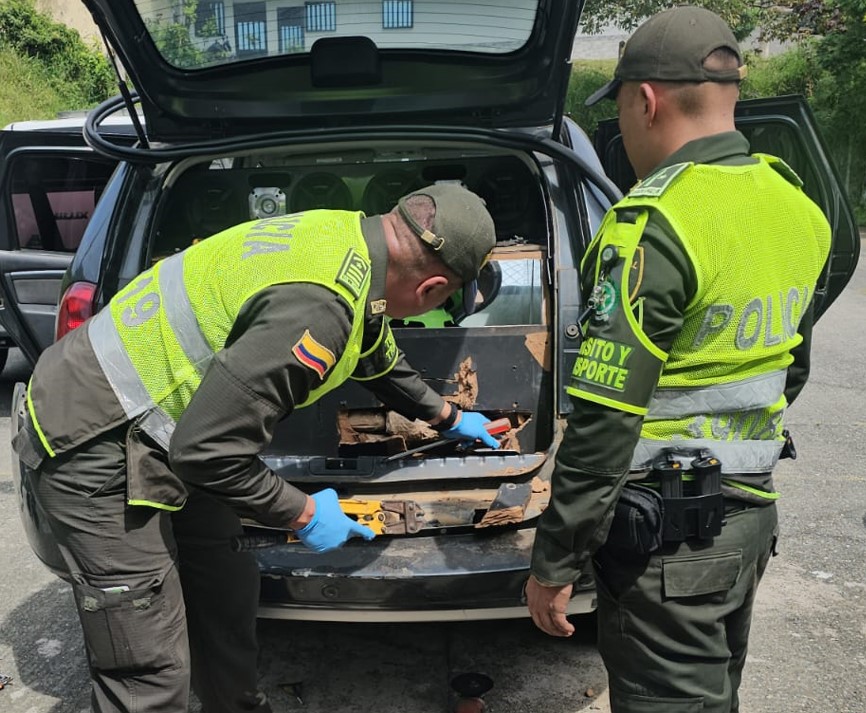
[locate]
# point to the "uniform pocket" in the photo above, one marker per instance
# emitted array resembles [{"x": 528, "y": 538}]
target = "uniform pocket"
[
  {"x": 149, "y": 479},
  {"x": 696, "y": 576},
  {"x": 132, "y": 629},
  {"x": 634, "y": 703},
  {"x": 26, "y": 444}
]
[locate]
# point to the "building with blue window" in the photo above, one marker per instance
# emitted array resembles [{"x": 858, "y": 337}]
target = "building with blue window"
[{"x": 244, "y": 29}]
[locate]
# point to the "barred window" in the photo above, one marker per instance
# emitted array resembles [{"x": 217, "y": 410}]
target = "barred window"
[
  {"x": 321, "y": 16},
  {"x": 251, "y": 37},
  {"x": 397, "y": 14},
  {"x": 290, "y": 26},
  {"x": 210, "y": 19}
]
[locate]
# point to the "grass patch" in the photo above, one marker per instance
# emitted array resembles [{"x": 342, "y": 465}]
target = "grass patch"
[
  {"x": 27, "y": 90},
  {"x": 586, "y": 77}
]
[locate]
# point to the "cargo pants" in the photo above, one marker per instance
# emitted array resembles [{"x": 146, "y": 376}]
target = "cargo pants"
[
  {"x": 673, "y": 627},
  {"x": 163, "y": 601}
]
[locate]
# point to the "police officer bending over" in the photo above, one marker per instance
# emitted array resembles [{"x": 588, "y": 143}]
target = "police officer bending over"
[
  {"x": 145, "y": 425},
  {"x": 699, "y": 284}
]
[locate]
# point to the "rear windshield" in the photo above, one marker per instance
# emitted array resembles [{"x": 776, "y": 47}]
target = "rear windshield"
[{"x": 207, "y": 33}]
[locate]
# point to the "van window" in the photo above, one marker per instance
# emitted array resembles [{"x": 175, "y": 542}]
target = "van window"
[{"x": 53, "y": 197}]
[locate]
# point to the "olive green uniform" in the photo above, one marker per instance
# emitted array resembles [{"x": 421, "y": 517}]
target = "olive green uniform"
[
  {"x": 155, "y": 588},
  {"x": 673, "y": 627}
]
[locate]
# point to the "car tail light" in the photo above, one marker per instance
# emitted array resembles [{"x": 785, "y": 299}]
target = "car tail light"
[{"x": 76, "y": 307}]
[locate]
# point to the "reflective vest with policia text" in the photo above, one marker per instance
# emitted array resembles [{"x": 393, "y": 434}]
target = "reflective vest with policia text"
[
  {"x": 156, "y": 337},
  {"x": 721, "y": 387}
]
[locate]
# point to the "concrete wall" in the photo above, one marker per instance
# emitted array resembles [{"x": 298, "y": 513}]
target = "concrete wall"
[{"x": 71, "y": 13}]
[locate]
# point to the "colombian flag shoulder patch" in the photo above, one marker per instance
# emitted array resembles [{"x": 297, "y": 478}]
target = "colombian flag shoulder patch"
[{"x": 314, "y": 355}]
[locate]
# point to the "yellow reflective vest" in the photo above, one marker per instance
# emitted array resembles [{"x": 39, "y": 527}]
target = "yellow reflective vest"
[
  {"x": 156, "y": 337},
  {"x": 757, "y": 245}
]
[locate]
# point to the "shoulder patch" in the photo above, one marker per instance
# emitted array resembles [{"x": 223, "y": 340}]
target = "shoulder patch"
[
  {"x": 314, "y": 355},
  {"x": 353, "y": 273},
  {"x": 656, "y": 184}
]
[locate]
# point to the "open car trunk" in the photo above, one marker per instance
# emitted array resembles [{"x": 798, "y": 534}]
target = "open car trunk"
[
  {"x": 498, "y": 361},
  {"x": 466, "y": 505},
  {"x": 347, "y": 441}
]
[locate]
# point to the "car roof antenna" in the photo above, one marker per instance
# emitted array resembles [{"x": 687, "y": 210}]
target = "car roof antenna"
[{"x": 124, "y": 92}]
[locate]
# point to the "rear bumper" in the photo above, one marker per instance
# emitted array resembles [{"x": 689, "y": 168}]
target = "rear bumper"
[
  {"x": 583, "y": 602},
  {"x": 440, "y": 578}
]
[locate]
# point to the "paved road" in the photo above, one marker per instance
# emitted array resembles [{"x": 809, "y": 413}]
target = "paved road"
[{"x": 808, "y": 650}]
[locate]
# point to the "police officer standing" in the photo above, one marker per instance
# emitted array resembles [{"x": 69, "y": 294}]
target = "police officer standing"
[
  {"x": 144, "y": 428},
  {"x": 700, "y": 284}
]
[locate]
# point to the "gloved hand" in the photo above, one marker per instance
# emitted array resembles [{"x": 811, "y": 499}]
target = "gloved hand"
[
  {"x": 469, "y": 428},
  {"x": 330, "y": 526}
]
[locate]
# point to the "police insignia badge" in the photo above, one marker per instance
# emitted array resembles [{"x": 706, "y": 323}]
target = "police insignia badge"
[
  {"x": 605, "y": 301},
  {"x": 354, "y": 272},
  {"x": 314, "y": 355}
]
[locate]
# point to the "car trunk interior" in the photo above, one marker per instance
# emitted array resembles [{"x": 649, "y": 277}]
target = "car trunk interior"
[{"x": 496, "y": 361}]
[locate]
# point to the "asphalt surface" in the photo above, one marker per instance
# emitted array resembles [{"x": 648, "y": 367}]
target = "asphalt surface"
[{"x": 808, "y": 648}]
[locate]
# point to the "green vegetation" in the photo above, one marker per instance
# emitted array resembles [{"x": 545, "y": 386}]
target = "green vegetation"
[
  {"x": 586, "y": 77},
  {"x": 827, "y": 65},
  {"x": 833, "y": 97},
  {"x": 46, "y": 67},
  {"x": 26, "y": 89},
  {"x": 174, "y": 41}
]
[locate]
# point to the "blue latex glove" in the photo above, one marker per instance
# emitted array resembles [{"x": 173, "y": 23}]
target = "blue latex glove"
[
  {"x": 470, "y": 428},
  {"x": 330, "y": 526}
]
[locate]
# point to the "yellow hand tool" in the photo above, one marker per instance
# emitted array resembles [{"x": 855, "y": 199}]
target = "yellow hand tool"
[{"x": 383, "y": 517}]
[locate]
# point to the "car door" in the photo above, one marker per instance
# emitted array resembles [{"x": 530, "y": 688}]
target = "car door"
[
  {"x": 784, "y": 127},
  {"x": 50, "y": 183}
]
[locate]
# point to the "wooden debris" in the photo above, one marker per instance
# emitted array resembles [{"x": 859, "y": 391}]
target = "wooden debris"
[
  {"x": 380, "y": 426},
  {"x": 538, "y": 345},
  {"x": 466, "y": 380}
]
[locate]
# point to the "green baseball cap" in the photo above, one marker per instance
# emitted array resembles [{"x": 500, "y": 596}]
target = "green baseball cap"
[
  {"x": 671, "y": 47},
  {"x": 462, "y": 233}
]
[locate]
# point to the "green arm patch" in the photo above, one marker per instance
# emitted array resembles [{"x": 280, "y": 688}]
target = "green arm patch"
[
  {"x": 616, "y": 374},
  {"x": 617, "y": 364}
]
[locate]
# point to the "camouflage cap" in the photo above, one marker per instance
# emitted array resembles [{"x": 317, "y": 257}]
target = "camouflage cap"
[
  {"x": 671, "y": 47},
  {"x": 462, "y": 233}
]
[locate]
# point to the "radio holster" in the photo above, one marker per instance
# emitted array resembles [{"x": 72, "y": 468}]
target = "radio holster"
[
  {"x": 690, "y": 483},
  {"x": 680, "y": 499}
]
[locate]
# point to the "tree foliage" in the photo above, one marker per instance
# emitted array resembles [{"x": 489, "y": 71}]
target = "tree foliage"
[
  {"x": 173, "y": 36},
  {"x": 742, "y": 16},
  {"x": 785, "y": 19},
  {"x": 826, "y": 63}
]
